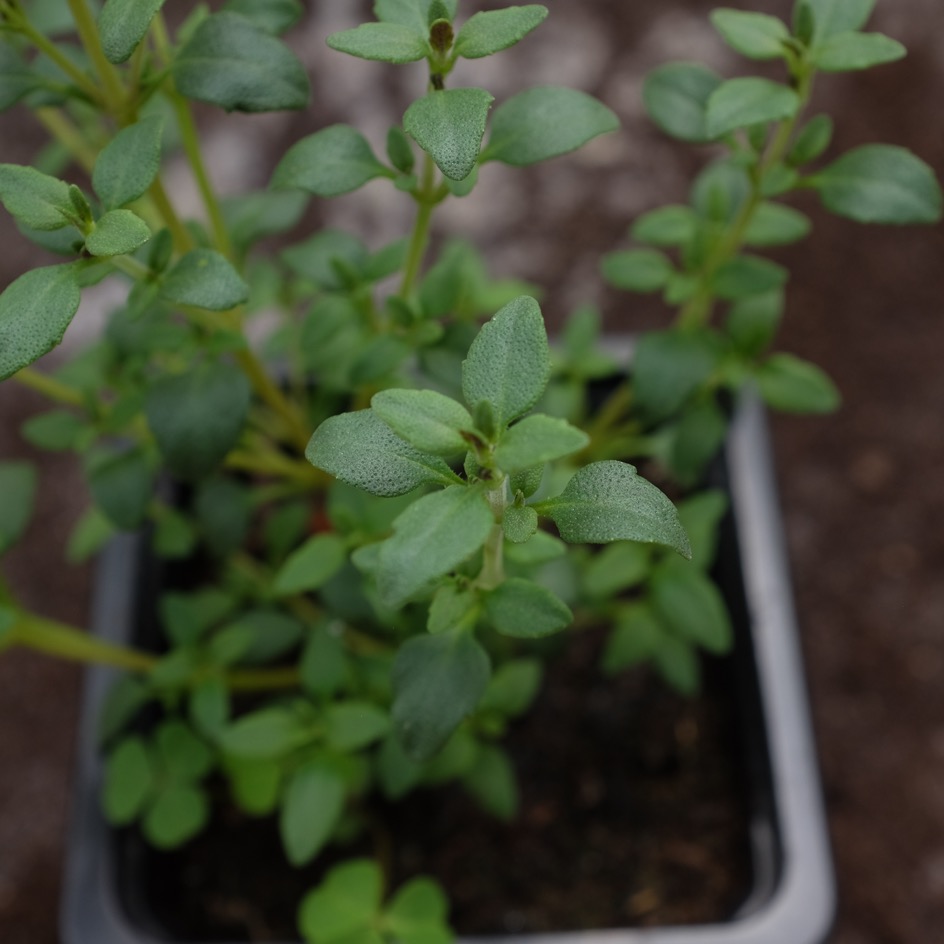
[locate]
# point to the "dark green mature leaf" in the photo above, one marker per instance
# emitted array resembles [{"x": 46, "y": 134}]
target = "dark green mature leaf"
[
  {"x": 849, "y": 52},
  {"x": 691, "y": 605},
  {"x": 493, "y": 30},
  {"x": 739, "y": 103},
  {"x": 116, "y": 233},
  {"x": 307, "y": 568},
  {"x": 775, "y": 225},
  {"x": 122, "y": 484},
  {"x": 311, "y": 807},
  {"x": 615, "y": 568},
  {"x": 197, "y": 417},
  {"x": 609, "y": 501},
  {"x": 449, "y": 126},
  {"x": 838, "y": 16},
  {"x": 128, "y": 164},
  {"x": 542, "y": 123},
  {"x": 328, "y": 163},
  {"x": 179, "y": 812},
  {"x": 37, "y": 200},
  {"x": 122, "y": 24},
  {"x": 676, "y": 97},
  {"x": 184, "y": 756},
  {"x": 755, "y": 35},
  {"x": 880, "y": 183},
  {"x": 384, "y": 42},
  {"x": 204, "y": 279},
  {"x": 345, "y": 904},
  {"x": 812, "y": 140},
  {"x": 697, "y": 439},
  {"x": 230, "y": 62},
  {"x": 637, "y": 270},
  {"x": 509, "y": 361},
  {"x": 16, "y": 77},
  {"x": 352, "y": 725},
  {"x": 274, "y": 16},
  {"x": 361, "y": 449},
  {"x": 753, "y": 322},
  {"x": 437, "y": 681},
  {"x": 430, "y": 421},
  {"x": 129, "y": 780},
  {"x": 18, "y": 488},
  {"x": 525, "y": 609},
  {"x": 535, "y": 440},
  {"x": 796, "y": 386},
  {"x": 269, "y": 733},
  {"x": 431, "y": 538},
  {"x": 635, "y": 638}
]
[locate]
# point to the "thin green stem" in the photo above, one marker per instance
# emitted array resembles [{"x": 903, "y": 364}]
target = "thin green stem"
[
  {"x": 49, "y": 387},
  {"x": 114, "y": 92},
  {"x": 426, "y": 199},
  {"x": 59, "y": 125},
  {"x": 183, "y": 241}
]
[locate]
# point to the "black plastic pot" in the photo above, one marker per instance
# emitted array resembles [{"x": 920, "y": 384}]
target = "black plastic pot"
[{"x": 793, "y": 897}]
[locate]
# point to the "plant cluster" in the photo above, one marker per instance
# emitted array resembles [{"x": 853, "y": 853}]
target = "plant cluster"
[{"x": 387, "y": 505}]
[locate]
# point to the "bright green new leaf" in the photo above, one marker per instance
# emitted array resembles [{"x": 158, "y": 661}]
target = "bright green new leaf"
[
  {"x": 831, "y": 17},
  {"x": 637, "y": 270},
  {"x": 755, "y": 35},
  {"x": 609, "y": 501},
  {"x": 849, "y": 52},
  {"x": 739, "y": 103},
  {"x": 525, "y": 609},
  {"x": 541, "y": 123},
  {"x": 352, "y": 725},
  {"x": 744, "y": 276},
  {"x": 122, "y": 24},
  {"x": 116, "y": 233},
  {"x": 337, "y": 160},
  {"x": 493, "y": 784},
  {"x": 691, "y": 606},
  {"x": 880, "y": 183},
  {"x": 667, "y": 226},
  {"x": 204, "y": 279},
  {"x": 519, "y": 523},
  {"x": 256, "y": 785},
  {"x": 431, "y": 538},
  {"x": 128, "y": 164},
  {"x": 129, "y": 780},
  {"x": 775, "y": 225},
  {"x": 122, "y": 484},
  {"x": 535, "y": 440},
  {"x": 344, "y": 905},
  {"x": 676, "y": 97},
  {"x": 269, "y": 733},
  {"x": 384, "y": 42},
  {"x": 307, "y": 568},
  {"x": 198, "y": 416},
  {"x": 311, "y": 807},
  {"x": 273, "y": 16},
  {"x": 493, "y": 30},
  {"x": 230, "y": 62},
  {"x": 437, "y": 681},
  {"x": 509, "y": 363},
  {"x": 449, "y": 125},
  {"x": 430, "y": 421},
  {"x": 36, "y": 200},
  {"x": 635, "y": 638},
  {"x": 361, "y": 449},
  {"x": 178, "y": 813},
  {"x": 796, "y": 386},
  {"x": 18, "y": 488},
  {"x": 417, "y": 913}
]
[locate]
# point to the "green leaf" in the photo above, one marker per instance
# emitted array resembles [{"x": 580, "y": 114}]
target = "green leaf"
[
  {"x": 18, "y": 487},
  {"x": 122, "y": 24},
  {"x": 691, "y": 605},
  {"x": 493, "y": 784},
  {"x": 754, "y": 35},
  {"x": 635, "y": 638},
  {"x": 352, "y": 725},
  {"x": 748, "y": 275},
  {"x": 344, "y": 904},
  {"x": 256, "y": 785},
  {"x": 116, "y": 233},
  {"x": 36, "y": 200},
  {"x": 174, "y": 535},
  {"x": 453, "y": 606},
  {"x": 535, "y": 440},
  {"x": 796, "y": 386},
  {"x": 637, "y": 270},
  {"x": 125, "y": 698},
  {"x": 384, "y": 42},
  {"x": 540, "y": 549},
  {"x": 209, "y": 707},
  {"x": 230, "y": 62},
  {"x": 122, "y": 484},
  {"x": 667, "y": 226},
  {"x": 812, "y": 141},
  {"x": 323, "y": 665},
  {"x": 838, "y": 16},
  {"x": 360, "y": 449},
  {"x": 311, "y": 807},
  {"x": 430, "y": 421},
  {"x": 184, "y": 756},
  {"x": 307, "y": 568},
  {"x": 260, "y": 213},
  {"x": 513, "y": 687},
  {"x": 525, "y": 609},
  {"x": 128, "y": 164},
  {"x": 509, "y": 363},
  {"x": 752, "y": 322},
  {"x": 178, "y": 814},
  {"x": 269, "y": 733},
  {"x": 775, "y": 225},
  {"x": 849, "y": 52},
  {"x": 677, "y": 662},
  {"x": 437, "y": 681},
  {"x": 198, "y": 416},
  {"x": 739, "y": 103},
  {"x": 615, "y": 568},
  {"x": 698, "y": 437},
  {"x": 224, "y": 511},
  {"x": 129, "y": 780},
  {"x": 273, "y": 16},
  {"x": 449, "y": 126},
  {"x": 519, "y": 523},
  {"x": 701, "y": 516},
  {"x": 417, "y": 913},
  {"x": 720, "y": 191},
  {"x": 676, "y": 97},
  {"x": 880, "y": 183},
  {"x": 431, "y": 538},
  {"x": 608, "y": 501},
  {"x": 204, "y": 279},
  {"x": 541, "y": 123},
  {"x": 337, "y": 160},
  {"x": 90, "y": 534},
  {"x": 494, "y": 30},
  {"x": 16, "y": 77}
]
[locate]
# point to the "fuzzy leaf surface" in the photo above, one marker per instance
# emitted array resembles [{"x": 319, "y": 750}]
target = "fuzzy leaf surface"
[
  {"x": 739, "y": 103},
  {"x": 537, "y": 439},
  {"x": 116, "y": 233},
  {"x": 491, "y": 31},
  {"x": 122, "y": 24},
  {"x": 429, "y": 420},
  {"x": 128, "y": 164},
  {"x": 383, "y": 42},
  {"x": 35, "y": 199},
  {"x": 691, "y": 605},
  {"x": 524, "y": 609}
]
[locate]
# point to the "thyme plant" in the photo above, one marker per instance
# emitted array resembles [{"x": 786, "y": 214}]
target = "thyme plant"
[{"x": 382, "y": 506}]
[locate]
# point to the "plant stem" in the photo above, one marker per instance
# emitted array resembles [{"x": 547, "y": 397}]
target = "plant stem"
[
  {"x": 426, "y": 199},
  {"x": 49, "y": 387},
  {"x": 183, "y": 241},
  {"x": 57, "y": 123},
  {"x": 114, "y": 93}
]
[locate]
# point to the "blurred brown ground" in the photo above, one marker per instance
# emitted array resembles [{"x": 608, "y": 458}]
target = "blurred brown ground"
[{"x": 862, "y": 490}]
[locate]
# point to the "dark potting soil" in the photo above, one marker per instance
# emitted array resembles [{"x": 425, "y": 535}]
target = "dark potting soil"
[{"x": 633, "y": 812}]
